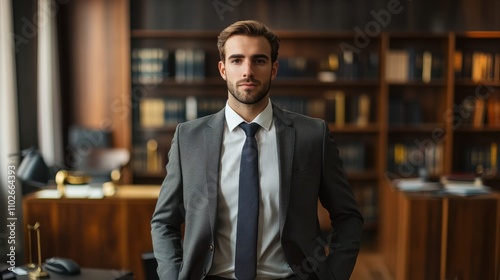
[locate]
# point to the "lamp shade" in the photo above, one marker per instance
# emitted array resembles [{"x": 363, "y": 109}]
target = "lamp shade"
[{"x": 33, "y": 172}]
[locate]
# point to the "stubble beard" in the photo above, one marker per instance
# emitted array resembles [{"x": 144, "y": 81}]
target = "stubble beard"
[{"x": 246, "y": 96}]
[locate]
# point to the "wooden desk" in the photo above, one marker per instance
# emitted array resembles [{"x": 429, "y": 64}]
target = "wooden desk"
[
  {"x": 107, "y": 233},
  {"x": 429, "y": 237}
]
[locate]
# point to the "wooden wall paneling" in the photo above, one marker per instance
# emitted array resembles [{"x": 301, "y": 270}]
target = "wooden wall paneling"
[{"x": 97, "y": 42}]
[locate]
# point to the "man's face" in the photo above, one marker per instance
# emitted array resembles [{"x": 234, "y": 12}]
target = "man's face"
[{"x": 247, "y": 68}]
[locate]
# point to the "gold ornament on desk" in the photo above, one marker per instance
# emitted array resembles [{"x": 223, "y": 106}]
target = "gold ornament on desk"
[
  {"x": 37, "y": 272},
  {"x": 76, "y": 178}
]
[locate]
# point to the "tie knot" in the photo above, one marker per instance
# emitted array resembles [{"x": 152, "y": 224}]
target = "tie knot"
[{"x": 250, "y": 128}]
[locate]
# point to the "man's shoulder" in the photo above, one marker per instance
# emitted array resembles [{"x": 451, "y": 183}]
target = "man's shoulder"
[{"x": 201, "y": 122}]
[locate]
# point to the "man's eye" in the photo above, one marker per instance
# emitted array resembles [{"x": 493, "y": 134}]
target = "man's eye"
[
  {"x": 260, "y": 61},
  {"x": 237, "y": 60}
]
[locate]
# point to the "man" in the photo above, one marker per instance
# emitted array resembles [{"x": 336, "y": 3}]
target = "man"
[{"x": 298, "y": 163}]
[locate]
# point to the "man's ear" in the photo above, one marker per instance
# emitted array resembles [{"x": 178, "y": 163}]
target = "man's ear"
[
  {"x": 222, "y": 69},
  {"x": 274, "y": 71}
]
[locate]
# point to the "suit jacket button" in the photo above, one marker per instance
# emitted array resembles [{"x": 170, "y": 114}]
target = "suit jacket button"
[
  {"x": 211, "y": 247},
  {"x": 204, "y": 272}
]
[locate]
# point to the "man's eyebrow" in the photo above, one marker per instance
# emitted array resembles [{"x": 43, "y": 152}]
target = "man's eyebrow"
[
  {"x": 253, "y": 56},
  {"x": 236, "y": 56},
  {"x": 260, "y": 56}
]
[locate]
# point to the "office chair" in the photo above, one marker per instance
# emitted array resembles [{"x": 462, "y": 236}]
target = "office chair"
[
  {"x": 149, "y": 263},
  {"x": 91, "y": 153},
  {"x": 99, "y": 163}
]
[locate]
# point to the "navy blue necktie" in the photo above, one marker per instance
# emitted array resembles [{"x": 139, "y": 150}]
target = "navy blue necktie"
[{"x": 248, "y": 207}]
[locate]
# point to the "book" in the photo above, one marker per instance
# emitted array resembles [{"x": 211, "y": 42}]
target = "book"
[
  {"x": 364, "y": 110},
  {"x": 329, "y": 111},
  {"x": 339, "y": 108},
  {"x": 466, "y": 190},
  {"x": 397, "y": 62},
  {"x": 151, "y": 112},
  {"x": 426, "y": 66},
  {"x": 479, "y": 113},
  {"x": 149, "y": 65},
  {"x": 463, "y": 185},
  {"x": 467, "y": 179},
  {"x": 458, "y": 64},
  {"x": 493, "y": 109},
  {"x": 416, "y": 185}
]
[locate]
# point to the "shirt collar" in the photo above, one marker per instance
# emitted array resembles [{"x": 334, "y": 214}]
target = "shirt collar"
[{"x": 264, "y": 119}]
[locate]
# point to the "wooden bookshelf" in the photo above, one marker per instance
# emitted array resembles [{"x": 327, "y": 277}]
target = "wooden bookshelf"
[
  {"x": 477, "y": 98},
  {"x": 410, "y": 84}
]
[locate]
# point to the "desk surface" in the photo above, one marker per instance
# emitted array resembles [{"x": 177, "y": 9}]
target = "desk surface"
[
  {"x": 90, "y": 274},
  {"x": 125, "y": 192}
]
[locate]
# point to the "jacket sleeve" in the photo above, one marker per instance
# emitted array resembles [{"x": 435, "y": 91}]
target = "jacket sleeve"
[
  {"x": 168, "y": 217},
  {"x": 347, "y": 223}
]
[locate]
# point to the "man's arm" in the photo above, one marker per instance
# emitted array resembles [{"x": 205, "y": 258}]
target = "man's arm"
[
  {"x": 337, "y": 197},
  {"x": 168, "y": 218}
]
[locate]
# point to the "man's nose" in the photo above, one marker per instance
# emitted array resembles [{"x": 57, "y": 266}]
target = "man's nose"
[{"x": 248, "y": 69}]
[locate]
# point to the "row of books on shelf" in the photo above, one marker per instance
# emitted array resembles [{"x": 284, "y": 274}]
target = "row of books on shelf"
[
  {"x": 405, "y": 159},
  {"x": 404, "y": 111},
  {"x": 154, "y": 65},
  {"x": 346, "y": 65},
  {"x": 477, "y": 65},
  {"x": 336, "y": 108},
  {"x": 147, "y": 157},
  {"x": 478, "y": 112},
  {"x": 473, "y": 111},
  {"x": 353, "y": 156},
  {"x": 161, "y": 112},
  {"x": 366, "y": 197},
  {"x": 481, "y": 159},
  {"x": 403, "y": 65}
]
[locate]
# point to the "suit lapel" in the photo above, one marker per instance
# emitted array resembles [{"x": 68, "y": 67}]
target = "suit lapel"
[
  {"x": 285, "y": 137},
  {"x": 213, "y": 143}
]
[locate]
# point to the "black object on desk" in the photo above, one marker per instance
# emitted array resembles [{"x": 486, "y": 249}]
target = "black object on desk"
[
  {"x": 90, "y": 274},
  {"x": 62, "y": 266}
]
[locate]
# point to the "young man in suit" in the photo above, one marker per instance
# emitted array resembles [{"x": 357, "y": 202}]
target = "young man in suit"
[{"x": 296, "y": 163}]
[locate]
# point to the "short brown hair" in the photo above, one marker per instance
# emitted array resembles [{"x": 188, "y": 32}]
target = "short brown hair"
[{"x": 250, "y": 28}]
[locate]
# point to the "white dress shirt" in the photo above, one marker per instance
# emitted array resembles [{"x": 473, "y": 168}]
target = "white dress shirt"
[{"x": 271, "y": 263}]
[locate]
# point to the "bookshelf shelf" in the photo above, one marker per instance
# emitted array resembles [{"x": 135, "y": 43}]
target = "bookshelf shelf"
[
  {"x": 172, "y": 34},
  {"x": 410, "y": 83},
  {"x": 486, "y": 129},
  {"x": 371, "y": 128},
  {"x": 470, "y": 83},
  {"x": 310, "y": 82},
  {"x": 170, "y": 82},
  {"x": 418, "y": 128}
]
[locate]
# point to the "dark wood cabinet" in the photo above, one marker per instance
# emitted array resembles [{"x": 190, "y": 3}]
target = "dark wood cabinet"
[{"x": 424, "y": 236}]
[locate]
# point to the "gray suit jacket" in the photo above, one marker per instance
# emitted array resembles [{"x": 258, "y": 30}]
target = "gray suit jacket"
[{"x": 310, "y": 168}]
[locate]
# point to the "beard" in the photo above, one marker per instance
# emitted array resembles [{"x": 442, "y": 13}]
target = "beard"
[{"x": 247, "y": 96}]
